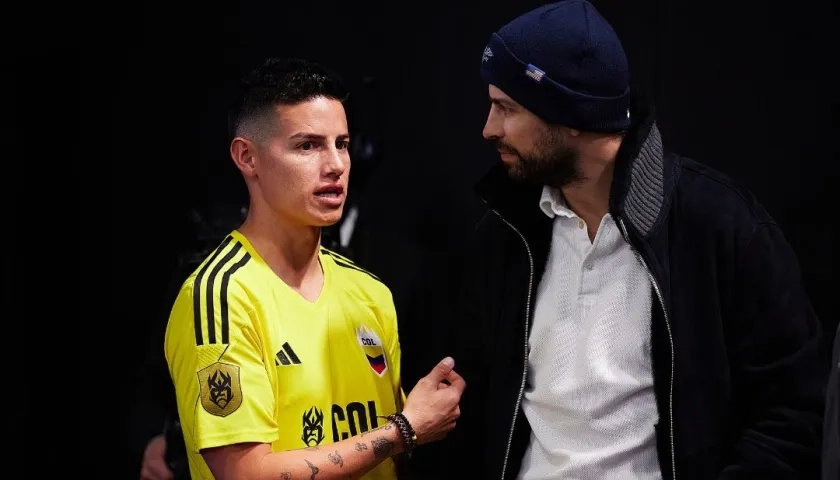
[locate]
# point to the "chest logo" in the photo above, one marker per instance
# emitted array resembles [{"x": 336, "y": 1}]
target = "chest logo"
[
  {"x": 313, "y": 427},
  {"x": 373, "y": 350},
  {"x": 286, "y": 356}
]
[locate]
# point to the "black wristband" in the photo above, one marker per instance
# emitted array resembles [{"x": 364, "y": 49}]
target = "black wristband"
[{"x": 406, "y": 432}]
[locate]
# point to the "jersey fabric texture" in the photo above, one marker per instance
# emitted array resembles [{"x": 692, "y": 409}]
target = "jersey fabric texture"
[{"x": 253, "y": 361}]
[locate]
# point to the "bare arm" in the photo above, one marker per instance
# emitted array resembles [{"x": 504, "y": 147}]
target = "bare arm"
[
  {"x": 347, "y": 459},
  {"x": 431, "y": 408}
]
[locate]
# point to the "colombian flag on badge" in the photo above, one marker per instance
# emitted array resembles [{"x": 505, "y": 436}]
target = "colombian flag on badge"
[{"x": 373, "y": 350}]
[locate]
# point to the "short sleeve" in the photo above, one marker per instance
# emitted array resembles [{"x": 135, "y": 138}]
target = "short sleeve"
[
  {"x": 389, "y": 313},
  {"x": 213, "y": 349}
]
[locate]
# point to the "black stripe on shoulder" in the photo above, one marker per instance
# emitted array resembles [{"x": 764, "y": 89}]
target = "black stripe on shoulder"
[
  {"x": 223, "y": 294},
  {"x": 199, "y": 337},
  {"x": 347, "y": 263},
  {"x": 335, "y": 255},
  {"x": 224, "y": 263}
]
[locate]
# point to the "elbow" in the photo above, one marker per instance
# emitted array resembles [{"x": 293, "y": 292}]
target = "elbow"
[{"x": 238, "y": 462}]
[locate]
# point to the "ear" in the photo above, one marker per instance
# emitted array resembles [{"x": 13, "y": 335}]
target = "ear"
[{"x": 244, "y": 152}]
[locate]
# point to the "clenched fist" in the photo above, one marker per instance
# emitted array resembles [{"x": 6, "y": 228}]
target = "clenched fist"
[{"x": 432, "y": 406}]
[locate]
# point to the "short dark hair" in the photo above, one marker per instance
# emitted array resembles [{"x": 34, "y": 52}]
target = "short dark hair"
[{"x": 280, "y": 81}]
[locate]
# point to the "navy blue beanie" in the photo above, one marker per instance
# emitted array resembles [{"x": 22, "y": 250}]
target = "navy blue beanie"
[{"x": 564, "y": 63}]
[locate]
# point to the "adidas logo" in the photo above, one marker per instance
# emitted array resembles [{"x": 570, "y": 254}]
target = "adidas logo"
[{"x": 286, "y": 356}]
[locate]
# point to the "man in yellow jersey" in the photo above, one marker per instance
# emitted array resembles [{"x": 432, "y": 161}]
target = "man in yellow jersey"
[{"x": 284, "y": 355}]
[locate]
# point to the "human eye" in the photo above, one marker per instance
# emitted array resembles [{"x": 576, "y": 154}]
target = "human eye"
[
  {"x": 306, "y": 146},
  {"x": 343, "y": 144}
]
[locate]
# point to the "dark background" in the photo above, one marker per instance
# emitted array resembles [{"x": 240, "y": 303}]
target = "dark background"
[{"x": 747, "y": 87}]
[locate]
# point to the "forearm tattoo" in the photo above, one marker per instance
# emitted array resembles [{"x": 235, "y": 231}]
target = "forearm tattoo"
[
  {"x": 387, "y": 426},
  {"x": 315, "y": 470},
  {"x": 382, "y": 447},
  {"x": 361, "y": 447},
  {"x": 335, "y": 458}
]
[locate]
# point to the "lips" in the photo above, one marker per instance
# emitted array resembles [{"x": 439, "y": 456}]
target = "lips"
[
  {"x": 330, "y": 196},
  {"x": 330, "y": 191}
]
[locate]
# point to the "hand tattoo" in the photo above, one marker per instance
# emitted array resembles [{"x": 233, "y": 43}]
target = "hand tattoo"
[
  {"x": 335, "y": 458},
  {"x": 382, "y": 447},
  {"x": 286, "y": 476},
  {"x": 314, "y": 469},
  {"x": 361, "y": 447}
]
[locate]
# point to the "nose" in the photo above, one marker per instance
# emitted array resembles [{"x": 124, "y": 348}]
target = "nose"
[
  {"x": 493, "y": 126},
  {"x": 337, "y": 162}
]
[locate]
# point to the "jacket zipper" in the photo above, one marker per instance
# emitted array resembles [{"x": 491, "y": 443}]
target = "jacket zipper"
[
  {"x": 527, "y": 322},
  {"x": 659, "y": 296}
]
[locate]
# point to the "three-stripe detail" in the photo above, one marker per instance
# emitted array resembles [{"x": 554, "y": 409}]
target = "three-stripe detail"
[
  {"x": 286, "y": 356},
  {"x": 203, "y": 291}
]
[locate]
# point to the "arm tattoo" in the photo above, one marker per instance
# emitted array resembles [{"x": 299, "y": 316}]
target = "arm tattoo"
[
  {"x": 336, "y": 459},
  {"x": 314, "y": 469},
  {"x": 382, "y": 447},
  {"x": 361, "y": 447},
  {"x": 387, "y": 426},
  {"x": 286, "y": 476}
]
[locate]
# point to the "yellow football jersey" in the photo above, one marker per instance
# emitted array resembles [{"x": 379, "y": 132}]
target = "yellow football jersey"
[{"x": 253, "y": 361}]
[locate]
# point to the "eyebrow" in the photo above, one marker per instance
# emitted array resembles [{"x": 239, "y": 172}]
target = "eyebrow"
[
  {"x": 501, "y": 101},
  {"x": 316, "y": 136}
]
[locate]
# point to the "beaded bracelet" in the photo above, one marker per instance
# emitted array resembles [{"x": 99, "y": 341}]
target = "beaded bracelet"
[{"x": 406, "y": 431}]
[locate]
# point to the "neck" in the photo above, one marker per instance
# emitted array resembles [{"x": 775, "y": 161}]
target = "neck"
[
  {"x": 291, "y": 251},
  {"x": 590, "y": 198}
]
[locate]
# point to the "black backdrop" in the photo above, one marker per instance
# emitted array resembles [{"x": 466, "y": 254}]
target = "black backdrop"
[{"x": 744, "y": 86}]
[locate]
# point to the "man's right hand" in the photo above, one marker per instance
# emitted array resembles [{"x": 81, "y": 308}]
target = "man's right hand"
[{"x": 432, "y": 406}]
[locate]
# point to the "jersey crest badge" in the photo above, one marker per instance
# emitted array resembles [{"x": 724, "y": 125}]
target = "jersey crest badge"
[
  {"x": 373, "y": 350},
  {"x": 221, "y": 391}
]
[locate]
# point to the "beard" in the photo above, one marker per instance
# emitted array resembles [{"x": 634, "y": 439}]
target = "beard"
[{"x": 551, "y": 162}]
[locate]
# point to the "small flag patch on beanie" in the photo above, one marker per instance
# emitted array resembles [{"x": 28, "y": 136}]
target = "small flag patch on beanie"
[{"x": 535, "y": 73}]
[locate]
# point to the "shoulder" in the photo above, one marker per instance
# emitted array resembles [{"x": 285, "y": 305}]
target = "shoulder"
[
  {"x": 216, "y": 292},
  {"x": 711, "y": 199},
  {"x": 229, "y": 263},
  {"x": 225, "y": 272},
  {"x": 357, "y": 279}
]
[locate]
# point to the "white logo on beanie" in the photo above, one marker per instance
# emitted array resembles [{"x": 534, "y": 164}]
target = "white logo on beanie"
[{"x": 487, "y": 54}]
